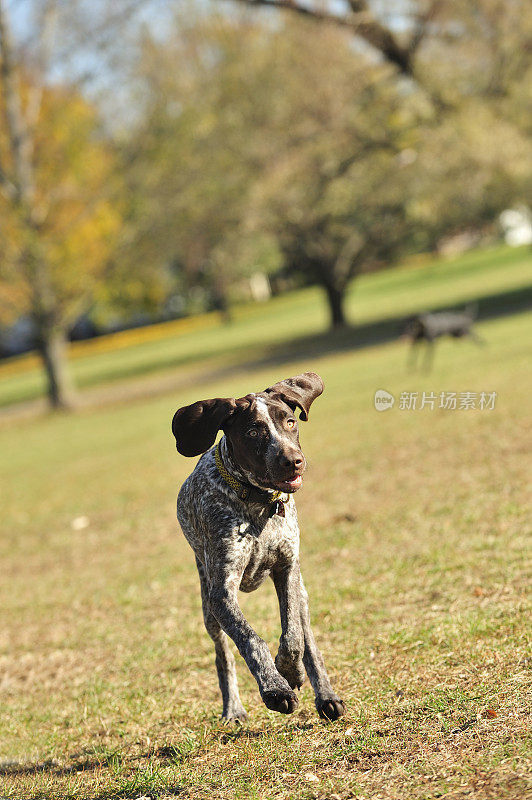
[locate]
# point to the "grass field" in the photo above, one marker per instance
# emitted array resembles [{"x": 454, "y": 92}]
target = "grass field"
[
  {"x": 204, "y": 344},
  {"x": 415, "y": 550}
]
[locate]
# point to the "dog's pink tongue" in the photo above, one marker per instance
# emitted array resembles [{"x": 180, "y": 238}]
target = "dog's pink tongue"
[{"x": 295, "y": 483}]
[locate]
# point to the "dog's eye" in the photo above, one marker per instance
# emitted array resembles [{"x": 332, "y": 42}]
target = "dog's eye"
[
  {"x": 253, "y": 432},
  {"x": 290, "y": 423}
]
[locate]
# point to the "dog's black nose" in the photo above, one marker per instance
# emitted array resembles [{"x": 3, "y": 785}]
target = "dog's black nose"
[{"x": 295, "y": 462}]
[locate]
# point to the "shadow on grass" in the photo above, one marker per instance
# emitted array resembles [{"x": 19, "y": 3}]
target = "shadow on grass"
[
  {"x": 246, "y": 356},
  {"x": 352, "y": 337},
  {"x": 132, "y": 787},
  {"x": 242, "y": 733},
  {"x": 357, "y": 337},
  {"x": 133, "y": 776},
  {"x": 14, "y": 768},
  {"x": 54, "y": 768}
]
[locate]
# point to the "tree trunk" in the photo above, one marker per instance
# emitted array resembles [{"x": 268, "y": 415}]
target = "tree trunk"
[
  {"x": 20, "y": 189},
  {"x": 335, "y": 299},
  {"x": 52, "y": 346},
  {"x": 221, "y": 301}
]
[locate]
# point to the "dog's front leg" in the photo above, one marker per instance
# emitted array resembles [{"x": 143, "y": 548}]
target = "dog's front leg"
[
  {"x": 328, "y": 704},
  {"x": 274, "y": 689},
  {"x": 288, "y": 660}
]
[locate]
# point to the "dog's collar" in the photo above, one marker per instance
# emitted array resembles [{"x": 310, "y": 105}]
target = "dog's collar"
[{"x": 245, "y": 491}]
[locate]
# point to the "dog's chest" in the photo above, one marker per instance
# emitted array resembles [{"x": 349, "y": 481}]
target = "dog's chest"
[{"x": 276, "y": 545}]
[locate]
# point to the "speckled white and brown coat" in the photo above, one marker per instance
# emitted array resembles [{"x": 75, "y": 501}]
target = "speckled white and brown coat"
[{"x": 240, "y": 542}]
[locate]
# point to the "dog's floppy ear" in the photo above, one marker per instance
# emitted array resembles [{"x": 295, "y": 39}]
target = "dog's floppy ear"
[
  {"x": 195, "y": 426},
  {"x": 300, "y": 391}
]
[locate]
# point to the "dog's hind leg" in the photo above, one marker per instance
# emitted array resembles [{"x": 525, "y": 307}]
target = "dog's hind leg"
[
  {"x": 429, "y": 355},
  {"x": 413, "y": 350},
  {"x": 233, "y": 710}
]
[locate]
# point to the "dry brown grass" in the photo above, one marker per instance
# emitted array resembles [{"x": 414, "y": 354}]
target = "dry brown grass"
[{"x": 415, "y": 549}]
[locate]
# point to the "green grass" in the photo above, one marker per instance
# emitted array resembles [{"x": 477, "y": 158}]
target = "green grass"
[
  {"x": 415, "y": 550},
  {"x": 259, "y": 328}
]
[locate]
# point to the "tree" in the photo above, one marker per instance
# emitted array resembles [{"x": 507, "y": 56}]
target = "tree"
[
  {"x": 328, "y": 194},
  {"x": 468, "y": 169},
  {"x": 433, "y": 41},
  {"x": 360, "y": 19},
  {"x": 468, "y": 155},
  {"x": 58, "y": 227},
  {"x": 234, "y": 153},
  {"x": 289, "y": 132},
  {"x": 194, "y": 156}
]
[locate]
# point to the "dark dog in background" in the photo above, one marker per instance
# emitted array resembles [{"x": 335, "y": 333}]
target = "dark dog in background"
[{"x": 431, "y": 326}]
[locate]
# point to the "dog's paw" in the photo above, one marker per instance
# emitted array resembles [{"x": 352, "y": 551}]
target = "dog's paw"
[
  {"x": 234, "y": 713},
  {"x": 292, "y": 671},
  {"x": 330, "y": 708},
  {"x": 285, "y": 702}
]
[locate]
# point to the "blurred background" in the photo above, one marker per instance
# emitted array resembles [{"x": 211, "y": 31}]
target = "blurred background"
[
  {"x": 198, "y": 199},
  {"x": 159, "y": 160}
]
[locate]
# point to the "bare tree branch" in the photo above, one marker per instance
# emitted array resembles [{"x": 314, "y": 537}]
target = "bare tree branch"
[
  {"x": 47, "y": 26},
  {"x": 360, "y": 21},
  {"x": 17, "y": 130},
  {"x": 422, "y": 25}
]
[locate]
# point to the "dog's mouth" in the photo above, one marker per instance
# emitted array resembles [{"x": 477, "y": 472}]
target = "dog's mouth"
[{"x": 291, "y": 485}]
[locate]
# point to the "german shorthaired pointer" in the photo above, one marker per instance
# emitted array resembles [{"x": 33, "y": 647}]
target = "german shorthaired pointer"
[
  {"x": 429, "y": 327},
  {"x": 237, "y": 512}
]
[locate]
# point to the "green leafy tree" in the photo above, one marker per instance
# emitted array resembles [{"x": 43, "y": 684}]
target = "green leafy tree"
[
  {"x": 289, "y": 133},
  {"x": 334, "y": 193},
  {"x": 194, "y": 156},
  {"x": 234, "y": 155}
]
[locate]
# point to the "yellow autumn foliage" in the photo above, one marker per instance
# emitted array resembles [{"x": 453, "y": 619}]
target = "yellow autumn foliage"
[
  {"x": 121, "y": 340},
  {"x": 78, "y": 218}
]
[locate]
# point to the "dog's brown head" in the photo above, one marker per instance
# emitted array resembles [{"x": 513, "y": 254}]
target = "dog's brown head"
[{"x": 261, "y": 430}]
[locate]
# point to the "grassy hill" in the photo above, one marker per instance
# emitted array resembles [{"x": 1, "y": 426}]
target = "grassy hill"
[
  {"x": 495, "y": 277},
  {"x": 415, "y": 551}
]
